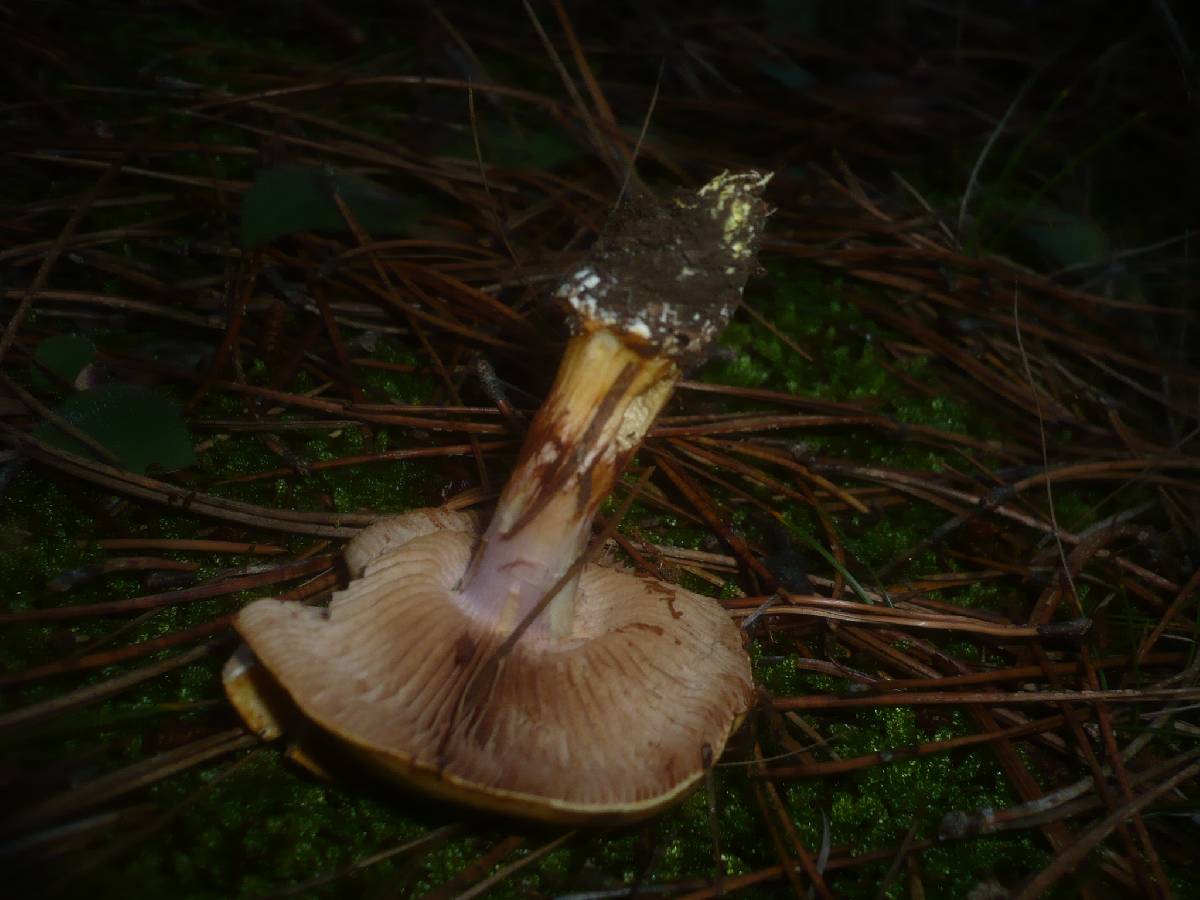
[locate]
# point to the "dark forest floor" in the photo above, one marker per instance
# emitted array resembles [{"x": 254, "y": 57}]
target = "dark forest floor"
[{"x": 251, "y": 257}]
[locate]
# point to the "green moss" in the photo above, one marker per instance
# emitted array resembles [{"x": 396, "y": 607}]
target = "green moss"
[
  {"x": 261, "y": 827},
  {"x": 847, "y": 364},
  {"x": 876, "y": 807}
]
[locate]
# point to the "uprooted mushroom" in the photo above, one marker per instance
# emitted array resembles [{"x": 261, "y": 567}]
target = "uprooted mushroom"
[{"x": 494, "y": 668}]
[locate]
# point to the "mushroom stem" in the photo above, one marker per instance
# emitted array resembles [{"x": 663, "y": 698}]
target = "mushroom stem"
[
  {"x": 603, "y": 400},
  {"x": 661, "y": 283}
]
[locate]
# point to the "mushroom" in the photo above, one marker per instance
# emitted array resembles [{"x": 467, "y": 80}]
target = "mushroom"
[{"x": 496, "y": 669}]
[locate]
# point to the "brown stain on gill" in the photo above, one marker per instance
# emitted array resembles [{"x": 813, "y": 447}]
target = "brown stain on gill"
[{"x": 464, "y": 649}]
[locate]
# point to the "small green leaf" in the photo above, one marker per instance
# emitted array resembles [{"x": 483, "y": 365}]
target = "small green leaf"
[
  {"x": 793, "y": 17},
  {"x": 65, "y": 355},
  {"x": 140, "y": 427},
  {"x": 290, "y": 199},
  {"x": 1067, "y": 238},
  {"x": 788, "y": 74},
  {"x": 504, "y": 145}
]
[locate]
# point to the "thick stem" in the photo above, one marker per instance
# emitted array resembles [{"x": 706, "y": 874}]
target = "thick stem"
[
  {"x": 661, "y": 282},
  {"x": 603, "y": 400}
]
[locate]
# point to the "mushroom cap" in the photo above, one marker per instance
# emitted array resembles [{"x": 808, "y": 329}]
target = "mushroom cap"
[
  {"x": 256, "y": 697},
  {"x": 377, "y": 539},
  {"x": 609, "y": 724}
]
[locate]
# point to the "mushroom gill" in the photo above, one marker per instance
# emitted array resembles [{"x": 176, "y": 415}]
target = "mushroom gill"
[{"x": 492, "y": 668}]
